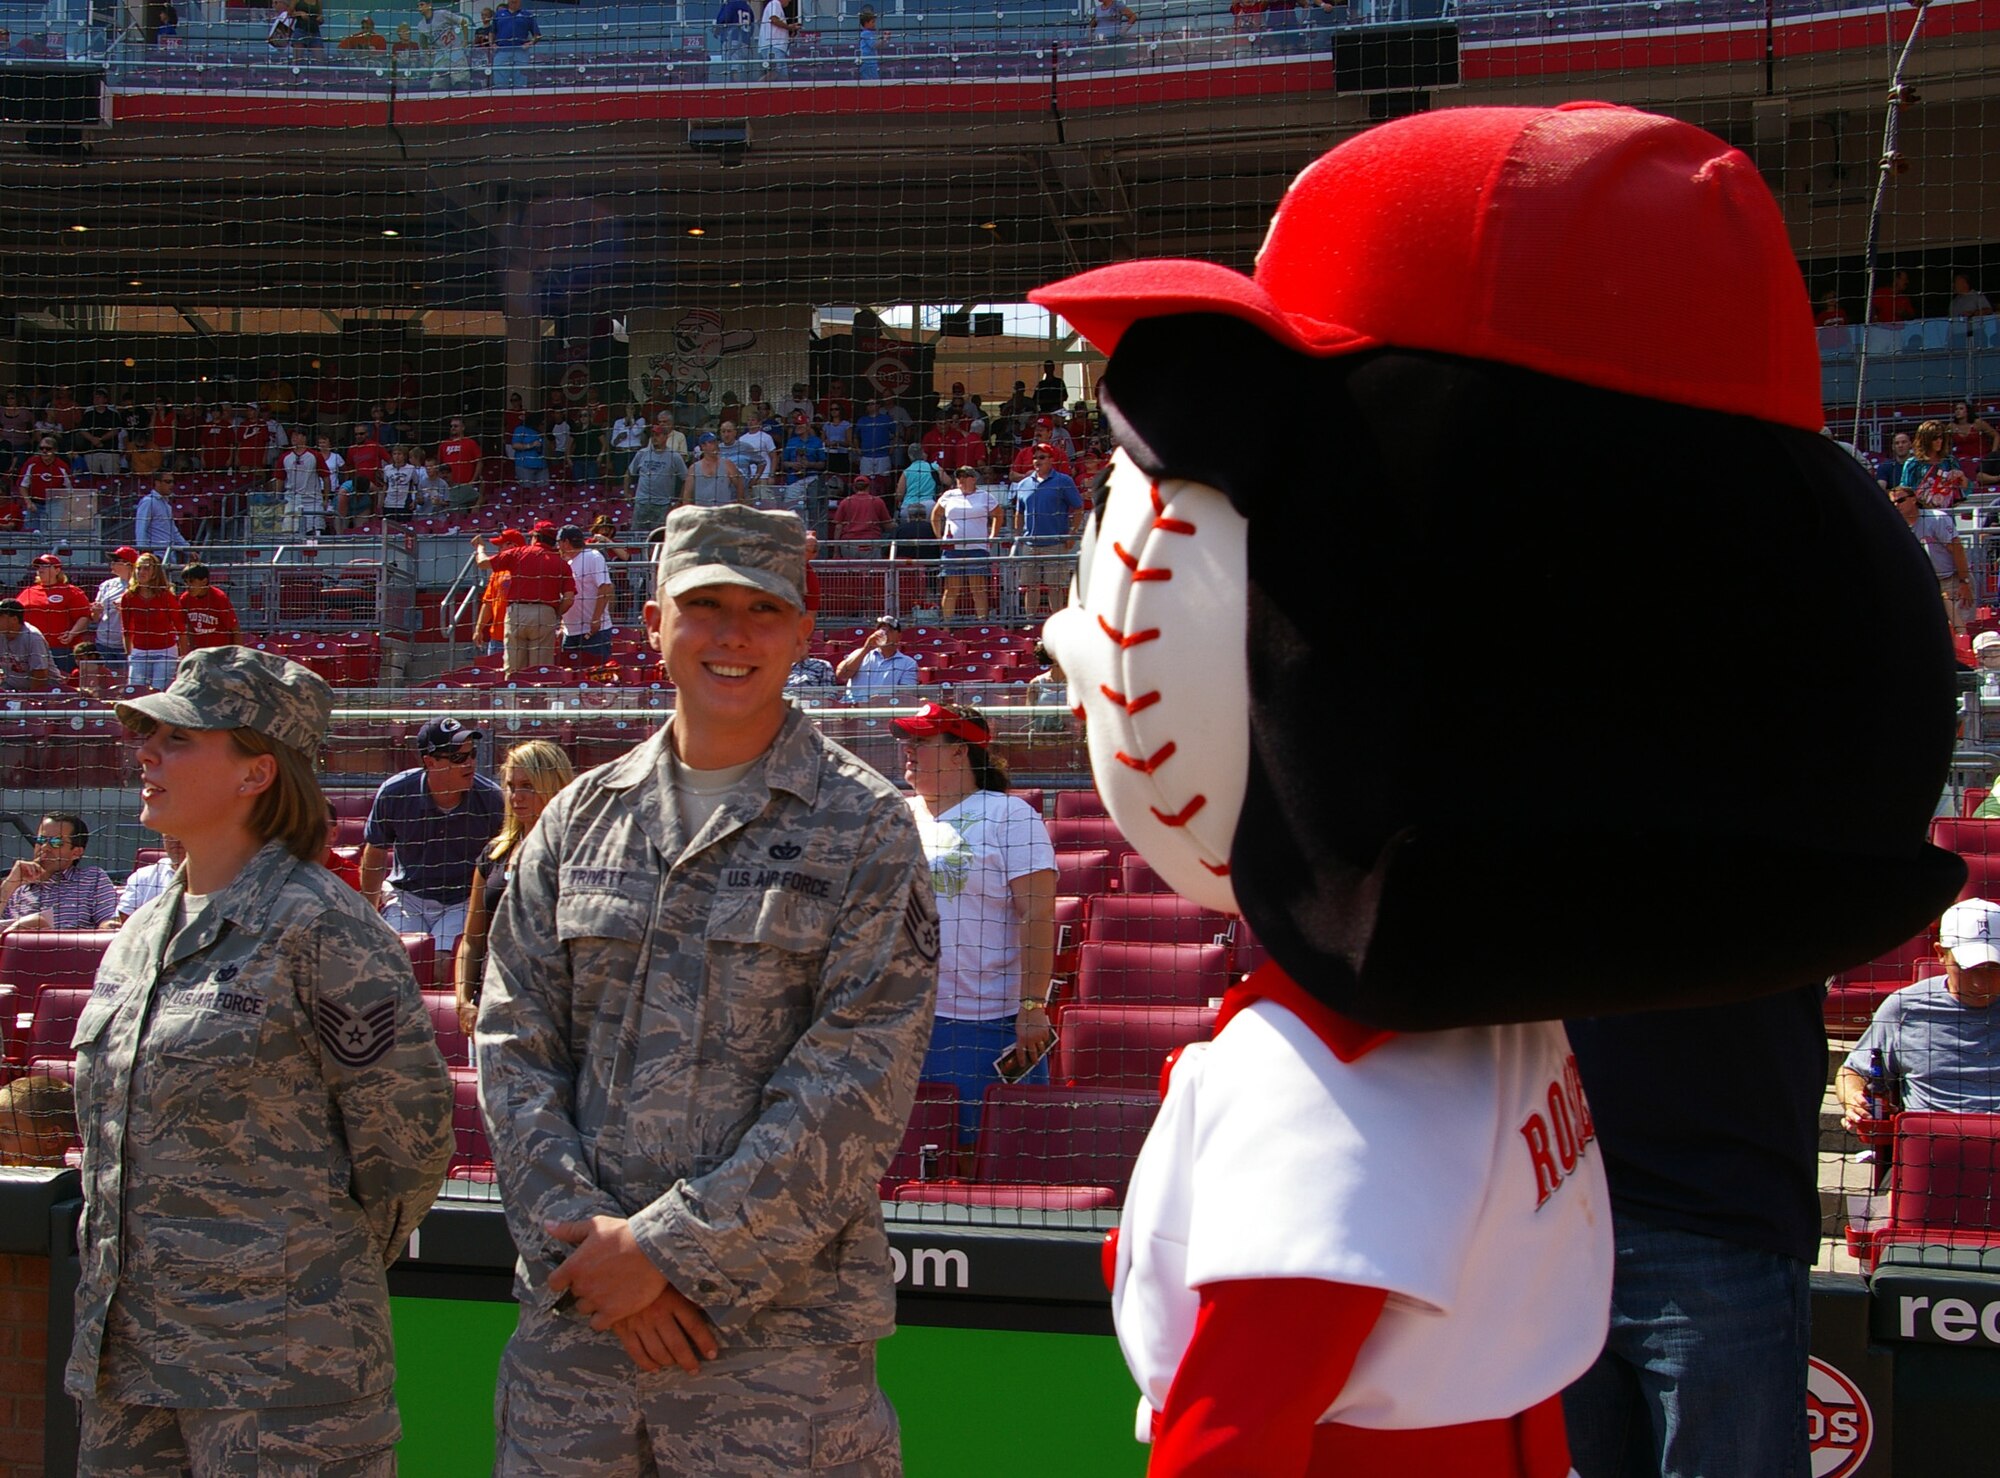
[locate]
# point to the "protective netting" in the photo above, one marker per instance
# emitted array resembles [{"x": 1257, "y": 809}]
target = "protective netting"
[{"x": 467, "y": 263}]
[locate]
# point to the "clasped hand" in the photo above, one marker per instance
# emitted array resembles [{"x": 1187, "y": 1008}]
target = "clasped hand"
[{"x": 616, "y": 1284}]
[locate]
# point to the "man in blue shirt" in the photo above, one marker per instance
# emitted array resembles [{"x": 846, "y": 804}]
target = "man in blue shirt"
[
  {"x": 1047, "y": 509},
  {"x": 874, "y": 440},
  {"x": 878, "y": 666},
  {"x": 732, "y": 31},
  {"x": 514, "y": 31},
  {"x": 1939, "y": 1038},
  {"x": 437, "y": 818}
]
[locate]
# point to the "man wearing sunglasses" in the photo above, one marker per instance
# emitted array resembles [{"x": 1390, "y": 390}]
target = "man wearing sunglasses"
[
  {"x": 1937, "y": 531},
  {"x": 53, "y": 889},
  {"x": 435, "y": 819}
]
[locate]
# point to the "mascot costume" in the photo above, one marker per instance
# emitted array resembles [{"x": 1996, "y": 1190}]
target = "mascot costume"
[{"x": 1471, "y": 685}]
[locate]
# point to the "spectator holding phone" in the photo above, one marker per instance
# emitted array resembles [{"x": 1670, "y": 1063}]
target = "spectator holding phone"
[{"x": 993, "y": 869}]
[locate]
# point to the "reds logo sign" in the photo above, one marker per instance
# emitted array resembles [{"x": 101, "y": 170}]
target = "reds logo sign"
[{"x": 1838, "y": 1421}]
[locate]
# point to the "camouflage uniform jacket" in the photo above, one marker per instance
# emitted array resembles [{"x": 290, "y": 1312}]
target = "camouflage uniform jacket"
[
  {"x": 265, "y": 1119},
  {"x": 717, "y": 1037}
]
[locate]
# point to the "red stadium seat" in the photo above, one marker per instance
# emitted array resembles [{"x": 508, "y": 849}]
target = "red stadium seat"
[
  {"x": 1250, "y": 952},
  {"x": 1069, "y": 915},
  {"x": 1061, "y": 1136},
  {"x": 1125, "y": 1046},
  {"x": 1079, "y": 803},
  {"x": 933, "y": 1122},
  {"x": 470, "y": 1151},
  {"x": 1853, "y": 995},
  {"x": 1012, "y": 1197},
  {"x": 1085, "y": 872},
  {"x": 1975, "y": 796},
  {"x": 1122, "y": 974},
  {"x": 1967, "y": 835},
  {"x": 1982, "y": 875},
  {"x": 1087, "y": 831},
  {"x": 1943, "y": 1189},
  {"x": 56, "y": 1010},
  {"x": 35, "y": 960},
  {"x": 1153, "y": 918},
  {"x": 452, "y": 1041},
  {"x": 1032, "y": 796},
  {"x": 422, "y": 950},
  {"x": 1136, "y": 875}
]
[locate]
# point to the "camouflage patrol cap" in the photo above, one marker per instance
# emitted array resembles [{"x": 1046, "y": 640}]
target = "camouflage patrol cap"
[
  {"x": 239, "y": 688},
  {"x": 734, "y": 545}
]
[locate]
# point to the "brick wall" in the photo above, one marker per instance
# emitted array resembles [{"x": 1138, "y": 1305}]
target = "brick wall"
[{"x": 24, "y": 1334}]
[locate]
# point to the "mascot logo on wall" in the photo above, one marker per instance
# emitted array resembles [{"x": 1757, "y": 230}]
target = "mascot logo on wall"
[
  {"x": 700, "y": 343},
  {"x": 1838, "y": 1420}
]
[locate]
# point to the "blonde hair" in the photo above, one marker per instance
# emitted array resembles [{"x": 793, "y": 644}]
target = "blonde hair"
[
  {"x": 547, "y": 768},
  {"x": 149, "y": 577}
]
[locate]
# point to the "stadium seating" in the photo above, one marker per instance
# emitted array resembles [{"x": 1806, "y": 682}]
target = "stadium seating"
[
  {"x": 1153, "y": 918},
  {"x": 1853, "y": 995},
  {"x": 470, "y": 1152},
  {"x": 1127, "y": 974},
  {"x": 1085, "y": 872},
  {"x": 53, "y": 1026},
  {"x": 1943, "y": 1189},
  {"x": 1017, "y": 1197},
  {"x": 1124, "y": 1046},
  {"x": 933, "y": 1122},
  {"x": 452, "y": 1042},
  {"x": 1071, "y": 803},
  {"x": 1061, "y": 1136},
  {"x": 1967, "y": 834}
]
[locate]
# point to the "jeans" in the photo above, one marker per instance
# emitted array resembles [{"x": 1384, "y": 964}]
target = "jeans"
[
  {"x": 596, "y": 643},
  {"x": 1703, "y": 1374},
  {"x": 151, "y": 669},
  {"x": 961, "y": 1053}
]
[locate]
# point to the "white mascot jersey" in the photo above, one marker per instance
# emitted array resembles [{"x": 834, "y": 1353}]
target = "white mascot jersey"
[{"x": 1456, "y": 1170}]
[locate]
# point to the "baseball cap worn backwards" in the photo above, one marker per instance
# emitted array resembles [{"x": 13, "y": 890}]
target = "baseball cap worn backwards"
[
  {"x": 241, "y": 688},
  {"x": 1595, "y": 243},
  {"x": 734, "y": 545}
]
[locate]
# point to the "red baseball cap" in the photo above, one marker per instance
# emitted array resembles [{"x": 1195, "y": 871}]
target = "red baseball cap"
[
  {"x": 934, "y": 719},
  {"x": 1593, "y": 242},
  {"x": 543, "y": 526},
  {"x": 49, "y": 559},
  {"x": 511, "y": 539},
  {"x": 125, "y": 554}
]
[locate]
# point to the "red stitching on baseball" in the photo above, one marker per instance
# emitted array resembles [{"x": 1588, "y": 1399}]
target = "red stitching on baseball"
[
  {"x": 1220, "y": 869},
  {"x": 1078, "y": 714},
  {"x": 1151, "y": 633},
  {"x": 1132, "y": 564},
  {"x": 1150, "y": 764},
  {"x": 1130, "y": 705},
  {"x": 1181, "y": 817},
  {"x": 1164, "y": 524}
]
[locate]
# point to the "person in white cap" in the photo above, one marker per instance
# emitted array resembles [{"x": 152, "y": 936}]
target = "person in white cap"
[{"x": 1939, "y": 1039}]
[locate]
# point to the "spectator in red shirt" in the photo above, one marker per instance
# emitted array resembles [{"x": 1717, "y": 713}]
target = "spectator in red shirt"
[
  {"x": 156, "y": 632},
  {"x": 13, "y": 512},
  {"x": 1024, "y": 459},
  {"x": 211, "y": 619},
  {"x": 57, "y": 609},
  {"x": 64, "y": 410},
  {"x": 540, "y": 588},
  {"x": 1829, "y": 313},
  {"x": 458, "y": 455},
  {"x": 861, "y": 519},
  {"x": 217, "y": 440},
  {"x": 366, "y": 455},
  {"x": 253, "y": 442},
  {"x": 45, "y": 473},
  {"x": 1892, "y": 304}
]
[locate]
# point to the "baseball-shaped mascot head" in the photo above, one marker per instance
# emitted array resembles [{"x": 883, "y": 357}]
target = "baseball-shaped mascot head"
[{"x": 1472, "y": 678}]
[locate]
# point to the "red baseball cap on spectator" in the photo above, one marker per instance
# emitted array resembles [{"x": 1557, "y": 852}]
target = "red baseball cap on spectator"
[
  {"x": 125, "y": 554},
  {"x": 511, "y": 539},
  {"x": 934, "y": 719},
  {"x": 1587, "y": 241},
  {"x": 863, "y": 481},
  {"x": 50, "y": 559},
  {"x": 1044, "y": 449},
  {"x": 544, "y": 531}
]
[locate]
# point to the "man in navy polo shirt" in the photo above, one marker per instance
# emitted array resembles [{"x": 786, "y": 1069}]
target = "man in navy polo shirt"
[
  {"x": 514, "y": 31},
  {"x": 437, "y": 818}
]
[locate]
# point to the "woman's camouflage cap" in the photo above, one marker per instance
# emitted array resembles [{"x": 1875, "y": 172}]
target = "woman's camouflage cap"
[
  {"x": 241, "y": 688},
  {"x": 734, "y": 545}
]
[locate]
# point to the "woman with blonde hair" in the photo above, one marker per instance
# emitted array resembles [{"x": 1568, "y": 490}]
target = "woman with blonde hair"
[
  {"x": 264, "y": 1114},
  {"x": 156, "y": 635},
  {"x": 531, "y": 775}
]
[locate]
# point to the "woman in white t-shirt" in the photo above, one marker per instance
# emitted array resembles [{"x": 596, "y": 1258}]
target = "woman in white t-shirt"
[
  {"x": 628, "y": 434},
  {"x": 965, "y": 518},
  {"x": 993, "y": 869}
]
